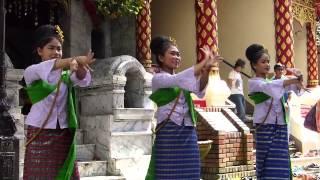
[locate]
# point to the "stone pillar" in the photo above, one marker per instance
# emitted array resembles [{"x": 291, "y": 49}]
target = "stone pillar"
[
  {"x": 312, "y": 56},
  {"x": 284, "y": 35},
  {"x": 13, "y": 77},
  {"x": 143, "y": 35},
  {"x": 206, "y": 26}
]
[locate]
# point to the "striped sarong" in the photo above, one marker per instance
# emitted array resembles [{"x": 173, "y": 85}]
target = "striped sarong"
[
  {"x": 272, "y": 152},
  {"x": 46, "y": 154},
  {"x": 177, "y": 153}
]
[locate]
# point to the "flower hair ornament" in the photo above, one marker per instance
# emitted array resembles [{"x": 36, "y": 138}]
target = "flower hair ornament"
[
  {"x": 173, "y": 41},
  {"x": 59, "y": 32}
]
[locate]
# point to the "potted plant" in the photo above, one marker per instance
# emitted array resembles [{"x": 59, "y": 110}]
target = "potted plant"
[{"x": 117, "y": 8}]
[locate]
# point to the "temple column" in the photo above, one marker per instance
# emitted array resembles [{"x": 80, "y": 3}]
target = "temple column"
[
  {"x": 284, "y": 35},
  {"x": 143, "y": 36},
  {"x": 312, "y": 56},
  {"x": 206, "y": 26}
]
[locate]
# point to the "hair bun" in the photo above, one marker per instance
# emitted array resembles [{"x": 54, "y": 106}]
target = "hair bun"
[
  {"x": 157, "y": 44},
  {"x": 254, "y": 51}
]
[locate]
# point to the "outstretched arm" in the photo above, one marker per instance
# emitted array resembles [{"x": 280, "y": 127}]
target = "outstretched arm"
[{"x": 66, "y": 63}]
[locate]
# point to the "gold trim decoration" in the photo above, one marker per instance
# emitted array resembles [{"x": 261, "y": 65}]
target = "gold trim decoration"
[
  {"x": 303, "y": 11},
  {"x": 317, "y": 33},
  {"x": 59, "y": 32}
]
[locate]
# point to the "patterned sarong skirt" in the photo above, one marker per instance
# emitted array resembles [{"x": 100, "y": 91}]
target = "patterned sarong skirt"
[
  {"x": 177, "y": 153},
  {"x": 47, "y": 153},
  {"x": 272, "y": 151}
]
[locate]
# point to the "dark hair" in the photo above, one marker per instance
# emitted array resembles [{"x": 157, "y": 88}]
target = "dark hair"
[
  {"x": 254, "y": 53},
  {"x": 159, "y": 45},
  {"x": 42, "y": 36},
  {"x": 240, "y": 63},
  {"x": 278, "y": 65}
]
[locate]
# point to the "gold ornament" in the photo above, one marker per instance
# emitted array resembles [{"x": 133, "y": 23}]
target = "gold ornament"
[
  {"x": 173, "y": 41},
  {"x": 59, "y": 32}
]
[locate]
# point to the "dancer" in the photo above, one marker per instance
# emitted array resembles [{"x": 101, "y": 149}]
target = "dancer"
[
  {"x": 50, "y": 146},
  {"x": 272, "y": 155},
  {"x": 175, "y": 151}
]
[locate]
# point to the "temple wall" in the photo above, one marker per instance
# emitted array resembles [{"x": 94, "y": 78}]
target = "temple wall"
[
  {"x": 241, "y": 23},
  {"x": 80, "y": 40},
  {"x": 180, "y": 26}
]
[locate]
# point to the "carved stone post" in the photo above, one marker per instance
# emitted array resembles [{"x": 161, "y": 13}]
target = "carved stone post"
[{"x": 9, "y": 145}]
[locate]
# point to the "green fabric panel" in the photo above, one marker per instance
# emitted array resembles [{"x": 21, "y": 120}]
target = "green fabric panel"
[
  {"x": 192, "y": 111},
  {"x": 38, "y": 90},
  {"x": 258, "y": 97},
  {"x": 151, "y": 173},
  {"x": 164, "y": 96},
  {"x": 66, "y": 171}
]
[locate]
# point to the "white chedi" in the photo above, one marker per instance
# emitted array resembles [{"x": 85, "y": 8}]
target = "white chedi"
[{"x": 217, "y": 90}]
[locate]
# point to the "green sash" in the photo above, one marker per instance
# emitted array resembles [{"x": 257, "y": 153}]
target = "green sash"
[
  {"x": 165, "y": 95},
  {"x": 40, "y": 89},
  {"x": 259, "y": 97},
  {"x": 162, "y": 97}
]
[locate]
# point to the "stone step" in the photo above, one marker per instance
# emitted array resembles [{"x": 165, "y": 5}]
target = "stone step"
[
  {"x": 304, "y": 161},
  {"x": 79, "y": 136},
  {"x": 85, "y": 152},
  {"x": 103, "y": 178},
  {"x": 92, "y": 168},
  {"x": 132, "y": 133},
  {"x": 131, "y": 114}
]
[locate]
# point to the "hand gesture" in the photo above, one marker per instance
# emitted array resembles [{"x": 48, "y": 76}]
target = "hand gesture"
[
  {"x": 73, "y": 65},
  {"x": 213, "y": 62},
  {"x": 85, "y": 61},
  {"x": 211, "y": 59},
  {"x": 296, "y": 72},
  {"x": 207, "y": 53}
]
